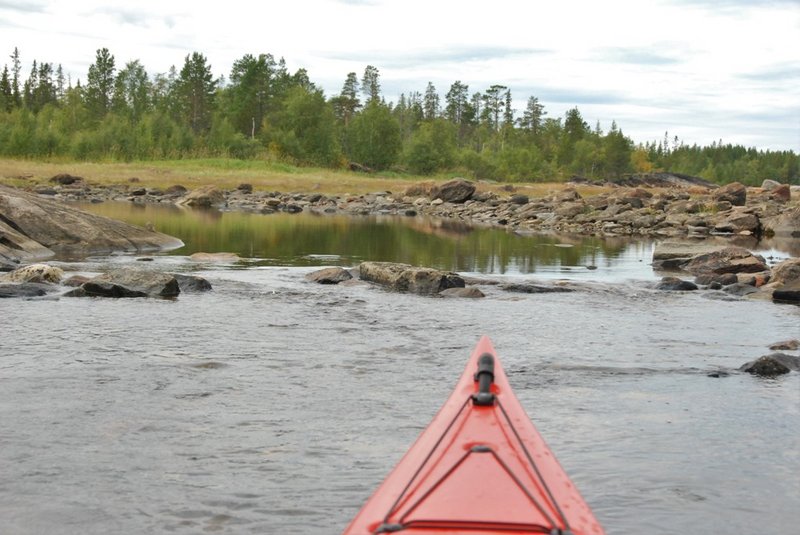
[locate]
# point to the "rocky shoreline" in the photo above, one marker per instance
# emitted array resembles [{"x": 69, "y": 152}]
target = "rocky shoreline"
[
  {"x": 683, "y": 215},
  {"x": 687, "y": 209}
]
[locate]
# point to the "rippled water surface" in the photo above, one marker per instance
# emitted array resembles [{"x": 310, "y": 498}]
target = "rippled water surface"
[{"x": 273, "y": 405}]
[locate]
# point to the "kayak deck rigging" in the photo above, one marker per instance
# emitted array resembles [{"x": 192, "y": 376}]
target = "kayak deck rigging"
[
  {"x": 479, "y": 467},
  {"x": 482, "y": 398}
]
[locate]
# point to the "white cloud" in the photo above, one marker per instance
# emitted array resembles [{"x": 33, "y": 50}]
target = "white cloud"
[{"x": 700, "y": 69}]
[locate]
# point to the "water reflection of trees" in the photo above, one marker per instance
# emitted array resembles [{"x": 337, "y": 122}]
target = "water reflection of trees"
[{"x": 291, "y": 239}]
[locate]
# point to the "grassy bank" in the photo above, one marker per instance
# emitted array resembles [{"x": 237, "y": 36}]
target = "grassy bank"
[{"x": 229, "y": 173}]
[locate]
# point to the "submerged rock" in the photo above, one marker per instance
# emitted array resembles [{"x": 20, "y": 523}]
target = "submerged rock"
[
  {"x": 215, "y": 257},
  {"x": 25, "y": 289},
  {"x": 674, "y": 284},
  {"x": 469, "y": 292},
  {"x": 191, "y": 283},
  {"x": 332, "y": 275},
  {"x": 772, "y": 365},
  {"x": 786, "y": 345},
  {"x": 528, "y": 288}
]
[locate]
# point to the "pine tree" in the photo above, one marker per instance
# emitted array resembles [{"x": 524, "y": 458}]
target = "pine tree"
[
  {"x": 195, "y": 91},
  {"x": 347, "y": 103},
  {"x": 430, "y": 105},
  {"x": 16, "y": 70},
  {"x": 6, "y": 91},
  {"x": 132, "y": 91},
  {"x": 532, "y": 117},
  {"x": 100, "y": 84},
  {"x": 370, "y": 84},
  {"x": 457, "y": 100},
  {"x": 494, "y": 104}
]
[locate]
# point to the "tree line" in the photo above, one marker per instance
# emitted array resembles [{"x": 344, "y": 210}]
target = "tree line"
[{"x": 262, "y": 110}]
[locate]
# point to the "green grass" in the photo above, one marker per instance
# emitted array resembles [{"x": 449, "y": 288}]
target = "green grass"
[{"x": 227, "y": 173}]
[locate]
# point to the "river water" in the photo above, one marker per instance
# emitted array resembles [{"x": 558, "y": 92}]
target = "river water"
[{"x": 273, "y": 405}]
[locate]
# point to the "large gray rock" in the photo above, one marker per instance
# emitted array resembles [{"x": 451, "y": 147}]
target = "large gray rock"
[
  {"x": 33, "y": 227},
  {"x": 772, "y": 365},
  {"x": 455, "y": 191},
  {"x": 128, "y": 282},
  {"x": 407, "y": 278},
  {"x": 728, "y": 260}
]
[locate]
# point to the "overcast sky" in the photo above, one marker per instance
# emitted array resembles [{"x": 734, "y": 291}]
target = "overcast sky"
[{"x": 702, "y": 69}]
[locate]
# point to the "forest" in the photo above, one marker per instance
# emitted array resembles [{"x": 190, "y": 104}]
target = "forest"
[{"x": 263, "y": 111}]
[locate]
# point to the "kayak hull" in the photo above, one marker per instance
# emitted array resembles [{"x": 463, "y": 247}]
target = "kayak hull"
[{"x": 479, "y": 467}]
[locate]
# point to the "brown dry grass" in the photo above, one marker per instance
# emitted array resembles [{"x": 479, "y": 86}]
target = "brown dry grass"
[{"x": 227, "y": 174}]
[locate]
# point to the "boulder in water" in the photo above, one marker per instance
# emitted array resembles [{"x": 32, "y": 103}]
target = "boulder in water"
[{"x": 407, "y": 278}]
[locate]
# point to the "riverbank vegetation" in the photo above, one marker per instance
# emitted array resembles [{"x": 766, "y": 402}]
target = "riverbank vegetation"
[{"x": 264, "y": 113}]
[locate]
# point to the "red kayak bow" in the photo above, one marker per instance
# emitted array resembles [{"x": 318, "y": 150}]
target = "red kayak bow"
[{"x": 479, "y": 467}]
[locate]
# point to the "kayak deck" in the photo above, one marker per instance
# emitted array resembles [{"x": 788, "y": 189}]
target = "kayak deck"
[{"x": 479, "y": 467}]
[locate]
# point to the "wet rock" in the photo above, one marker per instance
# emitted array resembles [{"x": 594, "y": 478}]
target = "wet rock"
[
  {"x": 191, "y": 283},
  {"x": 786, "y": 345},
  {"x": 785, "y": 281},
  {"x": 740, "y": 289},
  {"x": 674, "y": 284},
  {"x": 772, "y": 365},
  {"x": 519, "y": 198},
  {"x": 454, "y": 191},
  {"x": 7, "y": 264},
  {"x": 734, "y": 193},
  {"x": 129, "y": 283},
  {"x": 469, "y": 292},
  {"x": 528, "y": 288},
  {"x": 203, "y": 197},
  {"x": 407, "y": 278},
  {"x": 25, "y": 289},
  {"x": 215, "y": 257},
  {"x": 41, "y": 273},
  {"x": 245, "y": 188},
  {"x": 722, "y": 279},
  {"x": 787, "y": 293},
  {"x": 332, "y": 275},
  {"x": 727, "y": 260},
  {"x": 76, "y": 280}
]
